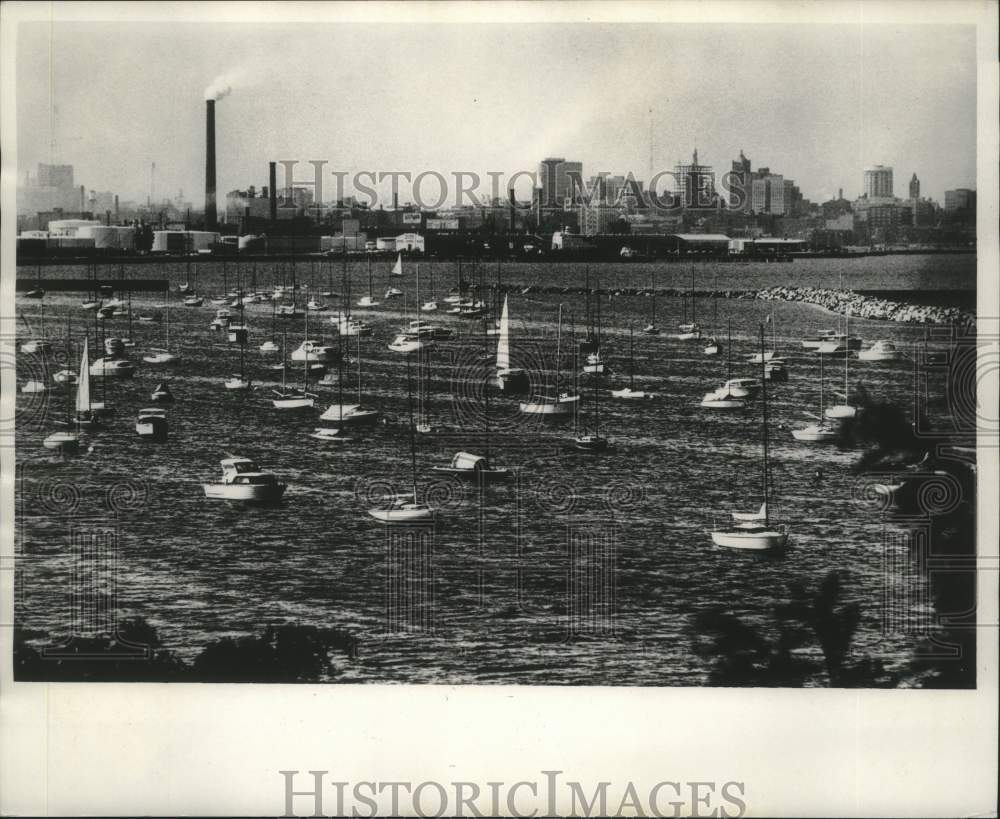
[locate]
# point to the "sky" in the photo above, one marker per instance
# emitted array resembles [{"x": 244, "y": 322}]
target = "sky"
[{"x": 815, "y": 103}]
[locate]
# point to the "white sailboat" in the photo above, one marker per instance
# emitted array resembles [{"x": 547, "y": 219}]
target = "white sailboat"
[
  {"x": 822, "y": 431},
  {"x": 845, "y": 410},
  {"x": 405, "y": 508},
  {"x": 559, "y": 405},
  {"x": 509, "y": 380},
  {"x": 369, "y": 300},
  {"x": 754, "y": 531},
  {"x": 731, "y": 395},
  {"x": 66, "y": 441},
  {"x": 651, "y": 329},
  {"x": 432, "y": 305},
  {"x": 240, "y": 383},
  {"x": 397, "y": 269},
  {"x": 351, "y": 415},
  {"x": 36, "y": 345},
  {"x": 630, "y": 393},
  {"x": 292, "y": 398},
  {"x": 162, "y": 355}
]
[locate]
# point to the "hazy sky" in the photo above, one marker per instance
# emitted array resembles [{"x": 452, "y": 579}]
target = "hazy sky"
[{"x": 815, "y": 103}]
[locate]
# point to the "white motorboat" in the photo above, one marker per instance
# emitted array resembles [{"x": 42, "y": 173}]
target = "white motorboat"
[
  {"x": 722, "y": 399},
  {"x": 840, "y": 412},
  {"x": 473, "y": 467},
  {"x": 546, "y": 406},
  {"x": 594, "y": 364},
  {"x": 90, "y": 304},
  {"x": 405, "y": 343},
  {"x": 289, "y": 311},
  {"x": 315, "y": 306},
  {"x": 159, "y": 356},
  {"x": 880, "y": 351},
  {"x": 712, "y": 346},
  {"x": 269, "y": 347},
  {"x": 152, "y": 423},
  {"x": 193, "y": 301},
  {"x": 237, "y": 383},
  {"x": 754, "y": 531},
  {"x": 64, "y": 377},
  {"x": 221, "y": 320},
  {"x": 393, "y": 293},
  {"x": 821, "y": 338},
  {"x": 312, "y": 350},
  {"x": 651, "y": 330},
  {"x": 243, "y": 481},
  {"x": 368, "y": 301},
  {"x": 742, "y": 387},
  {"x": 112, "y": 368},
  {"x": 31, "y": 387},
  {"x": 429, "y": 306},
  {"x": 350, "y": 415},
  {"x": 628, "y": 394},
  {"x": 821, "y": 432},
  {"x": 62, "y": 441},
  {"x": 689, "y": 335},
  {"x": 422, "y": 329}
]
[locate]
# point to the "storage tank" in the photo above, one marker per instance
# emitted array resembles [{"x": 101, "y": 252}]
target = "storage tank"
[
  {"x": 69, "y": 227},
  {"x": 104, "y": 237}
]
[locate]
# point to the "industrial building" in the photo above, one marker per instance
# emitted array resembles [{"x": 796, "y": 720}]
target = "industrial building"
[{"x": 184, "y": 241}]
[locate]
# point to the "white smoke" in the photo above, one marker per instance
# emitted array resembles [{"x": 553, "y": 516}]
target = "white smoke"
[{"x": 220, "y": 87}]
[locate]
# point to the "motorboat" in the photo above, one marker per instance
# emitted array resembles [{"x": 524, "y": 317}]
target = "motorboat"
[
  {"x": 712, "y": 346},
  {"x": 36, "y": 346},
  {"x": 477, "y": 468},
  {"x": 594, "y": 364},
  {"x": 821, "y": 432},
  {"x": 840, "y": 412},
  {"x": 221, "y": 320},
  {"x": 112, "y": 368},
  {"x": 405, "y": 343},
  {"x": 690, "y": 334},
  {"x": 350, "y": 415},
  {"x": 429, "y": 306},
  {"x": 742, "y": 387},
  {"x": 162, "y": 394},
  {"x": 547, "y": 406},
  {"x": 146, "y": 319},
  {"x": 159, "y": 356},
  {"x": 62, "y": 441},
  {"x": 722, "y": 399},
  {"x": 35, "y": 293},
  {"x": 834, "y": 345},
  {"x": 821, "y": 338},
  {"x": 422, "y": 329},
  {"x": 348, "y": 326},
  {"x": 91, "y": 304},
  {"x": 880, "y": 351},
  {"x": 152, "y": 424},
  {"x": 368, "y": 301},
  {"x": 65, "y": 377},
  {"x": 31, "y": 387},
  {"x": 589, "y": 443},
  {"x": 242, "y": 480},
  {"x": 269, "y": 346},
  {"x": 289, "y": 311},
  {"x": 315, "y": 306},
  {"x": 311, "y": 350},
  {"x": 193, "y": 301},
  {"x": 237, "y": 383},
  {"x": 629, "y": 394},
  {"x": 651, "y": 330},
  {"x": 393, "y": 293}
]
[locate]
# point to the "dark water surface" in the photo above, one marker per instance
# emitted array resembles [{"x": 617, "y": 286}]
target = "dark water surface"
[{"x": 500, "y": 593}]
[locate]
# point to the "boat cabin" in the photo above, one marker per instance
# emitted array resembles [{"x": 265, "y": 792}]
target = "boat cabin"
[{"x": 244, "y": 471}]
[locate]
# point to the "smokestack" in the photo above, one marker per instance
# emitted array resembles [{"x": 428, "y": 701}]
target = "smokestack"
[
  {"x": 395, "y": 201},
  {"x": 211, "y": 216},
  {"x": 83, "y": 200},
  {"x": 107, "y": 215},
  {"x": 116, "y": 207},
  {"x": 272, "y": 189},
  {"x": 513, "y": 212}
]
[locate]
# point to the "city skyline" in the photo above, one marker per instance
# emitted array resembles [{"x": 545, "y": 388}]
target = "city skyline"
[{"x": 822, "y": 108}]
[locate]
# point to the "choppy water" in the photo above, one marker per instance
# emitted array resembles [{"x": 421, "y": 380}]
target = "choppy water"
[{"x": 501, "y": 598}]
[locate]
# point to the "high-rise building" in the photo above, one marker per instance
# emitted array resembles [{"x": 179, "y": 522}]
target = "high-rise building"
[
  {"x": 694, "y": 184},
  {"x": 740, "y": 187},
  {"x": 555, "y": 180},
  {"x": 878, "y": 182},
  {"x": 767, "y": 192},
  {"x": 914, "y": 187},
  {"x": 959, "y": 199},
  {"x": 55, "y": 176}
]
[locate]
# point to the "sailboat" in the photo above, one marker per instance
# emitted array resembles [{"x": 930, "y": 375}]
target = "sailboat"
[
  {"x": 397, "y": 269},
  {"x": 351, "y": 414},
  {"x": 161, "y": 355},
  {"x": 186, "y": 287},
  {"x": 594, "y": 365},
  {"x": 689, "y": 330},
  {"x": 731, "y": 395},
  {"x": 271, "y": 346},
  {"x": 86, "y": 411},
  {"x": 404, "y": 508},
  {"x": 557, "y": 404},
  {"x": 65, "y": 441},
  {"x": 630, "y": 392},
  {"x": 335, "y": 434},
  {"x": 508, "y": 380},
  {"x": 821, "y": 432},
  {"x": 754, "y": 531},
  {"x": 845, "y": 410},
  {"x": 432, "y": 305},
  {"x": 409, "y": 341},
  {"x": 651, "y": 329},
  {"x": 594, "y": 442},
  {"x": 369, "y": 300},
  {"x": 66, "y": 376},
  {"x": 240, "y": 382},
  {"x": 292, "y": 398},
  {"x": 129, "y": 340}
]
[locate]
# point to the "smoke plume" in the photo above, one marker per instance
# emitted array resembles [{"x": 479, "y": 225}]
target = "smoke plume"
[{"x": 220, "y": 87}]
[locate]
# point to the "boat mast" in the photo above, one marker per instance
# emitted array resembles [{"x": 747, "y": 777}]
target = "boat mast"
[
  {"x": 729, "y": 353},
  {"x": 370, "y": 294},
  {"x": 847, "y": 352},
  {"x": 763, "y": 382},
  {"x": 359, "y": 368},
  {"x": 631, "y": 360},
  {"x": 694, "y": 302},
  {"x": 652, "y": 286},
  {"x": 243, "y": 336},
  {"x": 821, "y": 387},
  {"x": 413, "y": 439},
  {"x": 558, "y": 350}
]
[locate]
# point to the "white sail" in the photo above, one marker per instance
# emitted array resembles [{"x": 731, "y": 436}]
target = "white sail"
[
  {"x": 397, "y": 269},
  {"x": 503, "y": 344},
  {"x": 83, "y": 383}
]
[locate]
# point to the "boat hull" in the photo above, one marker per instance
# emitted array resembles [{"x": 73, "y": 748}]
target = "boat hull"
[
  {"x": 815, "y": 435},
  {"x": 399, "y": 517},
  {"x": 245, "y": 493},
  {"x": 62, "y": 441},
  {"x": 756, "y": 541}
]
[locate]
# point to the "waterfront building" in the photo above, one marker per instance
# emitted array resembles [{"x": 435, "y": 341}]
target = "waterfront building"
[
  {"x": 694, "y": 184},
  {"x": 914, "y": 188},
  {"x": 878, "y": 182},
  {"x": 959, "y": 199},
  {"x": 555, "y": 179}
]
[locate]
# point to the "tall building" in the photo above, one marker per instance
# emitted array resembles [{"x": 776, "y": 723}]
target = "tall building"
[
  {"x": 694, "y": 184},
  {"x": 767, "y": 192},
  {"x": 914, "y": 187},
  {"x": 959, "y": 199},
  {"x": 55, "y": 176},
  {"x": 878, "y": 182},
  {"x": 555, "y": 180},
  {"x": 740, "y": 184}
]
